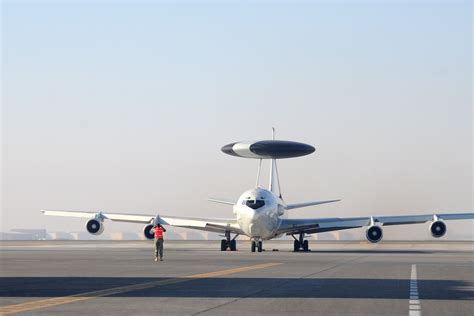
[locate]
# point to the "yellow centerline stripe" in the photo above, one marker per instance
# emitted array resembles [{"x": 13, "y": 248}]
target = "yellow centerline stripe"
[{"x": 28, "y": 306}]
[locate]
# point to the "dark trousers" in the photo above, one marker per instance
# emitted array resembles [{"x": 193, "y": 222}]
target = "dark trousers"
[{"x": 159, "y": 247}]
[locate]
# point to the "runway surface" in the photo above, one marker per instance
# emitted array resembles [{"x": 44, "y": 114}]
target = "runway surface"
[{"x": 336, "y": 278}]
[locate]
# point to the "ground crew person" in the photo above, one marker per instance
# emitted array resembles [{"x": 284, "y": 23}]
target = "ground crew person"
[{"x": 158, "y": 231}]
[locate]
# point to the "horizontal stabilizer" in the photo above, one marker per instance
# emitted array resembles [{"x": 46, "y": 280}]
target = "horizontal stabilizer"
[
  {"x": 221, "y": 201},
  {"x": 298, "y": 205}
]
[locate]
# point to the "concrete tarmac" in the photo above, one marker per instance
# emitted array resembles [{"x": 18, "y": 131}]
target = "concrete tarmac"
[{"x": 335, "y": 278}]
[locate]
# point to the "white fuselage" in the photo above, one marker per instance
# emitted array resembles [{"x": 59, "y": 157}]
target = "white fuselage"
[{"x": 259, "y": 212}]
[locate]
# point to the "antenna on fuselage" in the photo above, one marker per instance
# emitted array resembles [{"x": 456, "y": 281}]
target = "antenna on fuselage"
[
  {"x": 260, "y": 162},
  {"x": 274, "y": 185},
  {"x": 258, "y": 173}
]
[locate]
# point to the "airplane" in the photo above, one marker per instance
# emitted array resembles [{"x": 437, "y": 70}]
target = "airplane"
[{"x": 262, "y": 214}]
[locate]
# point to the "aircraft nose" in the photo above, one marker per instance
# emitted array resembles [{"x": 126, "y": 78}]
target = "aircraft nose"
[
  {"x": 250, "y": 213},
  {"x": 254, "y": 214},
  {"x": 255, "y": 226}
]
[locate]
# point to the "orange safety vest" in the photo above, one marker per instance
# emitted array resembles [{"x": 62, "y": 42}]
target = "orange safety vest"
[{"x": 158, "y": 232}]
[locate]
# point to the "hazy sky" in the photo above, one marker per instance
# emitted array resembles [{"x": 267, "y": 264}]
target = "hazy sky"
[{"x": 123, "y": 106}]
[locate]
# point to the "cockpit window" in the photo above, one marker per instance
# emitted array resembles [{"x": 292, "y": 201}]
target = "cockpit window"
[{"x": 255, "y": 204}]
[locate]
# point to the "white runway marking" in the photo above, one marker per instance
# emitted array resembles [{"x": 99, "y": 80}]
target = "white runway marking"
[{"x": 415, "y": 308}]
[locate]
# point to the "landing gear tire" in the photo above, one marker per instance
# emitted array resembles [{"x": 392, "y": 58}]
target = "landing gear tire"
[
  {"x": 305, "y": 245},
  {"x": 300, "y": 244},
  {"x": 233, "y": 245},
  {"x": 252, "y": 248},
  {"x": 260, "y": 246},
  {"x": 223, "y": 245},
  {"x": 296, "y": 246}
]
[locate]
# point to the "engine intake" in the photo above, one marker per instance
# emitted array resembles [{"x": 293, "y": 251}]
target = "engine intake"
[
  {"x": 438, "y": 229},
  {"x": 94, "y": 227},
  {"x": 148, "y": 231},
  {"x": 374, "y": 234}
]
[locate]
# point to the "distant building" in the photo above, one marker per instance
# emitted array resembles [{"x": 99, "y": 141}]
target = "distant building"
[
  {"x": 35, "y": 234},
  {"x": 15, "y": 236},
  {"x": 177, "y": 233},
  {"x": 84, "y": 236},
  {"x": 60, "y": 236},
  {"x": 193, "y": 235},
  {"x": 173, "y": 236},
  {"x": 328, "y": 236},
  {"x": 124, "y": 236}
]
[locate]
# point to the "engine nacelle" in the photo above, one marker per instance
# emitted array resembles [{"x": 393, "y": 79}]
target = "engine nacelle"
[
  {"x": 438, "y": 229},
  {"x": 374, "y": 234},
  {"x": 94, "y": 226},
  {"x": 148, "y": 231}
]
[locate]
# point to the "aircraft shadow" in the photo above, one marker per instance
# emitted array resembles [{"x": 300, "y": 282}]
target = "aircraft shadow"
[
  {"x": 335, "y": 251},
  {"x": 240, "y": 287},
  {"x": 375, "y": 251}
]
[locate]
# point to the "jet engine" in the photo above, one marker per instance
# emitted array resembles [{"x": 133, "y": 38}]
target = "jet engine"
[
  {"x": 94, "y": 226},
  {"x": 374, "y": 234},
  {"x": 438, "y": 229},
  {"x": 148, "y": 231}
]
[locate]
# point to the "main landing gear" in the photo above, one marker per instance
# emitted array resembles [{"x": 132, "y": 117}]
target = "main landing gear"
[
  {"x": 300, "y": 244},
  {"x": 228, "y": 243},
  {"x": 256, "y": 245}
]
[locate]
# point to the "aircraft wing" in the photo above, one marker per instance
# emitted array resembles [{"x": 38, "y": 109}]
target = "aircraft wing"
[
  {"x": 319, "y": 225},
  {"x": 206, "y": 224}
]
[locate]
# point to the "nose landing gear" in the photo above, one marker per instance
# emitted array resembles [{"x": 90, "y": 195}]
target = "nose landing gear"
[
  {"x": 300, "y": 244},
  {"x": 256, "y": 245}
]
